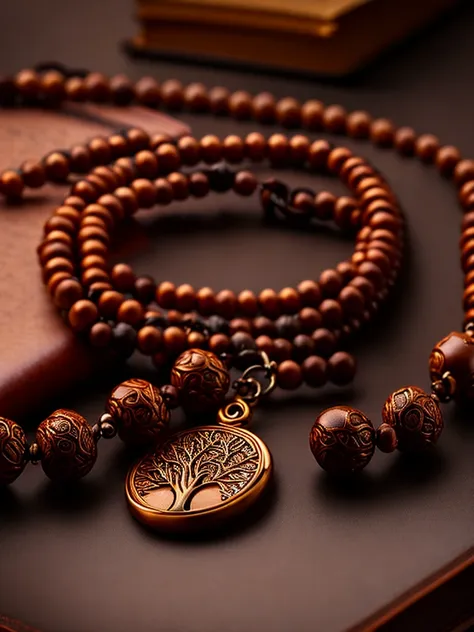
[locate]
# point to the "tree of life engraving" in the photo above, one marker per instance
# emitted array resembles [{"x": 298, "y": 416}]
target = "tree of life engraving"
[{"x": 193, "y": 460}]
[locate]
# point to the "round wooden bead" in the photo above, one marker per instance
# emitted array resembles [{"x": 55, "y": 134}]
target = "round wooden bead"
[
  {"x": 13, "y": 447},
  {"x": 454, "y": 355},
  {"x": 67, "y": 445},
  {"x": 415, "y": 416},
  {"x": 201, "y": 379},
  {"x": 342, "y": 440},
  {"x": 139, "y": 411}
]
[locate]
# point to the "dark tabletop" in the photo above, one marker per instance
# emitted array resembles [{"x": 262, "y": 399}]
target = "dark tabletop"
[{"x": 315, "y": 557}]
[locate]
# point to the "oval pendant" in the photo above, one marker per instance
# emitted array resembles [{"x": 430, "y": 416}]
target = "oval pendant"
[{"x": 198, "y": 478}]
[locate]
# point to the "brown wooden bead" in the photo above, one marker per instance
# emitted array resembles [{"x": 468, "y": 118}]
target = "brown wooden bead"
[
  {"x": 109, "y": 303},
  {"x": 179, "y": 185},
  {"x": 82, "y": 315},
  {"x": 334, "y": 119},
  {"x": 330, "y": 283},
  {"x": 67, "y": 292},
  {"x": 282, "y": 349},
  {"x": 198, "y": 184},
  {"x": 28, "y": 84},
  {"x": 174, "y": 340},
  {"x": 341, "y": 368},
  {"x": 166, "y": 295},
  {"x": 245, "y": 183},
  {"x": 310, "y": 293},
  {"x": 415, "y": 416},
  {"x": 93, "y": 247},
  {"x": 240, "y": 105},
  {"x": 278, "y": 149},
  {"x": 226, "y": 303},
  {"x": 454, "y": 355},
  {"x": 312, "y": 114},
  {"x": 299, "y": 149},
  {"x": 53, "y": 249},
  {"x": 201, "y": 379},
  {"x": 119, "y": 146},
  {"x": 58, "y": 222},
  {"x": 219, "y": 100},
  {"x": 331, "y": 313},
  {"x": 33, "y": 174},
  {"x": 172, "y": 93},
  {"x": 337, "y": 158},
  {"x": 100, "y": 335},
  {"x": 147, "y": 91},
  {"x": 11, "y": 184},
  {"x": 358, "y": 124},
  {"x": 405, "y": 139},
  {"x": 123, "y": 277},
  {"x": 233, "y": 149},
  {"x": 219, "y": 343},
  {"x": 324, "y": 205},
  {"x": 303, "y": 346},
  {"x": 382, "y": 132},
  {"x": 289, "y": 375},
  {"x": 99, "y": 151},
  {"x": 139, "y": 411},
  {"x": 206, "y": 301},
  {"x": 289, "y": 300},
  {"x": 255, "y": 146},
  {"x": 145, "y": 192},
  {"x": 123, "y": 92},
  {"x": 97, "y": 86},
  {"x": 145, "y": 288},
  {"x": 265, "y": 344},
  {"x": 58, "y": 264},
  {"x": 55, "y": 280},
  {"x": 164, "y": 191},
  {"x": 185, "y": 297},
  {"x": 426, "y": 147},
  {"x": 310, "y": 319},
  {"x": 131, "y": 312},
  {"x": 190, "y": 150},
  {"x": 386, "y": 438},
  {"x": 264, "y": 326},
  {"x": 288, "y": 112},
  {"x": 149, "y": 340},
  {"x": 314, "y": 370},
  {"x": 269, "y": 303},
  {"x": 196, "y": 340},
  {"x": 264, "y": 108},
  {"x": 318, "y": 154},
  {"x": 75, "y": 89},
  {"x": 247, "y": 302},
  {"x": 447, "y": 158},
  {"x": 352, "y": 301},
  {"x": 168, "y": 158},
  {"x": 342, "y": 440},
  {"x": 463, "y": 172},
  {"x": 240, "y": 324},
  {"x": 146, "y": 163},
  {"x": 67, "y": 445},
  {"x": 13, "y": 449},
  {"x": 159, "y": 139},
  {"x": 343, "y": 211}
]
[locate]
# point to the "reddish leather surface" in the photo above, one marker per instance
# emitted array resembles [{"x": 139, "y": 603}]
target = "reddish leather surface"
[{"x": 39, "y": 355}]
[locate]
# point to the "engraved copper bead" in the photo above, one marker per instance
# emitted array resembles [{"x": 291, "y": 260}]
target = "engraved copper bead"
[
  {"x": 342, "y": 440},
  {"x": 451, "y": 366},
  {"x": 415, "y": 416},
  {"x": 201, "y": 379},
  {"x": 13, "y": 448},
  {"x": 139, "y": 411},
  {"x": 66, "y": 443}
]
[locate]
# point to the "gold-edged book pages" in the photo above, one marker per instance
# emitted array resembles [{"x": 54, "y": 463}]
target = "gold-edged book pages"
[{"x": 331, "y": 37}]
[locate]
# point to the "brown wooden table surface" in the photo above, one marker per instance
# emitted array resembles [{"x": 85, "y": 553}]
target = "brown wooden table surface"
[{"x": 316, "y": 557}]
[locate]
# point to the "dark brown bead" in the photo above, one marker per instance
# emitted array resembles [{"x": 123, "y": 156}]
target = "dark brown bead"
[
  {"x": 247, "y": 302},
  {"x": 131, "y": 312},
  {"x": 33, "y": 174},
  {"x": 82, "y": 315},
  {"x": 196, "y": 340},
  {"x": 330, "y": 283},
  {"x": 282, "y": 349},
  {"x": 310, "y": 293},
  {"x": 171, "y": 396},
  {"x": 343, "y": 211},
  {"x": 324, "y": 342},
  {"x": 68, "y": 292},
  {"x": 219, "y": 343},
  {"x": 168, "y": 158},
  {"x": 174, "y": 340},
  {"x": 341, "y": 368},
  {"x": 324, "y": 205},
  {"x": 123, "y": 277},
  {"x": 172, "y": 93},
  {"x": 139, "y": 411},
  {"x": 334, "y": 119},
  {"x": 463, "y": 172},
  {"x": 54, "y": 249},
  {"x": 331, "y": 313},
  {"x": 289, "y": 375},
  {"x": 255, "y": 146},
  {"x": 386, "y": 438},
  {"x": 342, "y": 440},
  {"x": 289, "y": 299},
  {"x": 245, "y": 183},
  {"x": 166, "y": 295},
  {"x": 206, "y": 301},
  {"x": 201, "y": 379},
  {"x": 100, "y": 335},
  {"x": 352, "y": 301},
  {"x": 13, "y": 450},
  {"x": 185, "y": 297},
  {"x": 189, "y": 150},
  {"x": 415, "y": 416},
  {"x": 145, "y": 192},
  {"x": 426, "y": 147},
  {"x": 264, "y": 108},
  {"x": 382, "y": 132},
  {"x": 299, "y": 149},
  {"x": 211, "y": 149},
  {"x": 303, "y": 346},
  {"x": 288, "y": 112},
  {"x": 318, "y": 154},
  {"x": 373, "y": 273},
  {"x": 28, "y": 84},
  {"x": 219, "y": 100},
  {"x": 264, "y": 326},
  {"x": 310, "y": 319},
  {"x": 97, "y": 86},
  {"x": 137, "y": 139},
  {"x": 196, "y": 97},
  {"x": 11, "y": 184},
  {"x": 145, "y": 288},
  {"x": 269, "y": 303},
  {"x": 337, "y": 158},
  {"x": 149, "y": 340},
  {"x": 75, "y": 88},
  {"x": 164, "y": 191},
  {"x": 278, "y": 149},
  {"x": 347, "y": 270},
  {"x": 240, "y": 105},
  {"x": 314, "y": 371},
  {"x": 198, "y": 184},
  {"x": 55, "y": 280},
  {"x": 67, "y": 446},
  {"x": 147, "y": 91},
  {"x": 358, "y": 124},
  {"x": 405, "y": 139},
  {"x": 265, "y": 344},
  {"x": 454, "y": 355},
  {"x": 312, "y": 114},
  {"x": 447, "y": 158},
  {"x": 233, "y": 149},
  {"x": 226, "y": 304},
  {"x": 146, "y": 163}
]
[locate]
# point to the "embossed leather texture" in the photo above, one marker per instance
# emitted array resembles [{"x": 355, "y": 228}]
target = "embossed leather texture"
[{"x": 39, "y": 355}]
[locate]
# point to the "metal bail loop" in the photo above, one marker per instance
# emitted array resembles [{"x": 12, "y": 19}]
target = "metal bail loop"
[{"x": 236, "y": 413}]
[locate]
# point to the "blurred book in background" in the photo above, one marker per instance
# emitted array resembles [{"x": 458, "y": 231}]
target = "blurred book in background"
[{"x": 329, "y": 37}]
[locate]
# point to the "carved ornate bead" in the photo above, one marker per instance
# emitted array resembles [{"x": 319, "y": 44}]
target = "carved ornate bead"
[
  {"x": 67, "y": 445},
  {"x": 139, "y": 411},
  {"x": 201, "y": 379},
  {"x": 415, "y": 416},
  {"x": 13, "y": 447},
  {"x": 454, "y": 355},
  {"x": 342, "y": 440}
]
